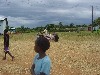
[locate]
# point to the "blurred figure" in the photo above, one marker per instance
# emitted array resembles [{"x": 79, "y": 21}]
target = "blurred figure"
[
  {"x": 6, "y": 44},
  {"x": 55, "y": 37}
]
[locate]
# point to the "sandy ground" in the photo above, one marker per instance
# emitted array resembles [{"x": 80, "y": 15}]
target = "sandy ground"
[{"x": 72, "y": 55}]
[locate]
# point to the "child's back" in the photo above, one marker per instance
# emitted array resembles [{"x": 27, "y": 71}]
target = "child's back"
[{"x": 42, "y": 65}]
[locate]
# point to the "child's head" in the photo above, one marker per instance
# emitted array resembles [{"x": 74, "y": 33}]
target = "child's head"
[{"x": 41, "y": 44}]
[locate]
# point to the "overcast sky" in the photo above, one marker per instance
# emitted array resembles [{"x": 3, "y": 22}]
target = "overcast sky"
[{"x": 33, "y": 13}]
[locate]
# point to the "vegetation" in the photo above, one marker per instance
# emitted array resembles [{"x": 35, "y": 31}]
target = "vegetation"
[{"x": 57, "y": 28}]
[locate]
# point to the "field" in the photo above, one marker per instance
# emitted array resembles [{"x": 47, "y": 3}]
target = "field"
[{"x": 74, "y": 54}]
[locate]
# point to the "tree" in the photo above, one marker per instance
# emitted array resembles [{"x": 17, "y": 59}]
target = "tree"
[
  {"x": 18, "y": 29},
  {"x": 97, "y": 21},
  {"x": 71, "y": 25},
  {"x": 23, "y": 28},
  {"x": 47, "y": 27},
  {"x": 60, "y": 23},
  {"x": 84, "y": 25},
  {"x": 60, "y": 26},
  {"x": 78, "y": 26},
  {"x": 94, "y": 23}
]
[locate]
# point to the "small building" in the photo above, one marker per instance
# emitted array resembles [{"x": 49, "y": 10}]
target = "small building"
[
  {"x": 90, "y": 28},
  {"x": 96, "y": 28},
  {"x": 3, "y": 25},
  {"x": 12, "y": 30},
  {"x": 82, "y": 28}
]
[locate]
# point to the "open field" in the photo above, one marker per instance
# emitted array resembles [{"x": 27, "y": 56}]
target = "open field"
[{"x": 74, "y": 54}]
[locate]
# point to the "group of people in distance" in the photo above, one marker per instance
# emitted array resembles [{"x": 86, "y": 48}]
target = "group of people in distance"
[{"x": 41, "y": 64}]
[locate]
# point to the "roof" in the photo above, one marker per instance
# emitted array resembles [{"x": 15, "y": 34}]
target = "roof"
[
  {"x": 2, "y": 19},
  {"x": 13, "y": 28}
]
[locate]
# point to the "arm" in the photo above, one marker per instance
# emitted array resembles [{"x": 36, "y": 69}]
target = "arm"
[
  {"x": 33, "y": 65},
  {"x": 32, "y": 69}
]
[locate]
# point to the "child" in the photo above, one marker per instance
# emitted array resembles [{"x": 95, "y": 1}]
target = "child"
[
  {"x": 6, "y": 44},
  {"x": 42, "y": 63},
  {"x": 55, "y": 37}
]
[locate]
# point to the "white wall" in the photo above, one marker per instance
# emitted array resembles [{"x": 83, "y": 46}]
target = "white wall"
[{"x": 2, "y": 26}]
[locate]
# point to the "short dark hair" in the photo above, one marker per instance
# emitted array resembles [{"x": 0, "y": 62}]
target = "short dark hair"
[{"x": 43, "y": 43}]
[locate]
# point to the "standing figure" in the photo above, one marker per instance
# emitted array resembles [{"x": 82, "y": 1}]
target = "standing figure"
[
  {"x": 6, "y": 44},
  {"x": 42, "y": 62}
]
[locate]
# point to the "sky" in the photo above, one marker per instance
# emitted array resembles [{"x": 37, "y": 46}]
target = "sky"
[{"x": 34, "y": 13}]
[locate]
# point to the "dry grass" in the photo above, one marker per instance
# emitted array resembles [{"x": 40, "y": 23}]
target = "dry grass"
[{"x": 74, "y": 54}]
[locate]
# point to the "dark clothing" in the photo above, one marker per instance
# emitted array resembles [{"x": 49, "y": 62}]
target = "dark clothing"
[
  {"x": 6, "y": 40},
  {"x": 6, "y": 48},
  {"x": 6, "y": 45},
  {"x": 56, "y": 38}
]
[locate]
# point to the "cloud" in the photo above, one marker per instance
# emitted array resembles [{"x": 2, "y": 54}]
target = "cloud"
[
  {"x": 34, "y": 13},
  {"x": 2, "y": 17},
  {"x": 20, "y": 21}
]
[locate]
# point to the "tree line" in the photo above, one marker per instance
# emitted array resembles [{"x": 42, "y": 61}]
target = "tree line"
[{"x": 55, "y": 28}]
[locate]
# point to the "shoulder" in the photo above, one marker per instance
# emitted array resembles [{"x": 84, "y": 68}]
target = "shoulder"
[
  {"x": 47, "y": 60},
  {"x": 36, "y": 56}
]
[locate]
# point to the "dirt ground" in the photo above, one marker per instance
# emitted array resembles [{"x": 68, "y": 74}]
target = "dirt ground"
[{"x": 72, "y": 55}]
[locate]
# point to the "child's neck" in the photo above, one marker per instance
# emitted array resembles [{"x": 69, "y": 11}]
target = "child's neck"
[{"x": 42, "y": 55}]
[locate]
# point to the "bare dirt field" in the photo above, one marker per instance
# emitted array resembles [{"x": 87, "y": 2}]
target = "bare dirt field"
[{"x": 74, "y": 54}]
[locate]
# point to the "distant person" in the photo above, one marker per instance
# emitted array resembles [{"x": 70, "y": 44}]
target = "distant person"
[
  {"x": 56, "y": 37},
  {"x": 42, "y": 62},
  {"x": 6, "y": 44}
]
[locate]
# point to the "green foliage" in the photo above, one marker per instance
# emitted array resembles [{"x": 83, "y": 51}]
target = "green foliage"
[
  {"x": 39, "y": 29},
  {"x": 97, "y": 21},
  {"x": 23, "y": 29},
  {"x": 71, "y": 25},
  {"x": 58, "y": 28}
]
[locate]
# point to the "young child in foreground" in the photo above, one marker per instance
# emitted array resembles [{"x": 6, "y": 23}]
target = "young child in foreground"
[
  {"x": 6, "y": 44},
  {"x": 42, "y": 63}
]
